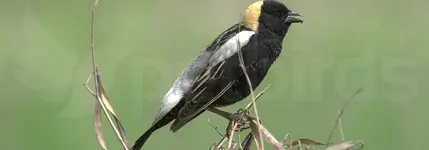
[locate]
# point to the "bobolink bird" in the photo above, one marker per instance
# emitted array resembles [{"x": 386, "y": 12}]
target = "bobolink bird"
[{"x": 215, "y": 78}]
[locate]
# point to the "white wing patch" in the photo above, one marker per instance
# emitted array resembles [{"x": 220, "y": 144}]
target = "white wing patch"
[{"x": 230, "y": 47}]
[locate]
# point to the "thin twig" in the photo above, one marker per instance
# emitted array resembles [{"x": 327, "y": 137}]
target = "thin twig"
[
  {"x": 223, "y": 140},
  {"x": 239, "y": 141},
  {"x": 100, "y": 95},
  {"x": 86, "y": 84},
  {"x": 229, "y": 115},
  {"x": 106, "y": 107},
  {"x": 231, "y": 135},
  {"x": 257, "y": 97},
  {"x": 98, "y": 125},
  {"x": 214, "y": 127},
  {"x": 240, "y": 57},
  {"x": 340, "y": 126},
  {"x": 92, "y": 40},
  {"x": 341, "y": 114},
  {"x": 107, "y": 110}
]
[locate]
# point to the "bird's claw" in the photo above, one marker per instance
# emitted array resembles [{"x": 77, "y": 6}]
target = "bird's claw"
[{"x": 238, "y": 120}]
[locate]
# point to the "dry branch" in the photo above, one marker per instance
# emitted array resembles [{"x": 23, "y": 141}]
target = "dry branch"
[
  {"x": 340, "y": 114},
  {"x": 257, "y": 129},
  {"x": 259, "y": 144},
  {"x": 102, "y": 101}
]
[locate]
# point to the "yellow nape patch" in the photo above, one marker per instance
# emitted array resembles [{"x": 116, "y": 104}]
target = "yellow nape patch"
[{"x": 251, "y": 15}]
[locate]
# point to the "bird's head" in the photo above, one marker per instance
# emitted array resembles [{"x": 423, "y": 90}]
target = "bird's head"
[{"x": 269, "y": 14}]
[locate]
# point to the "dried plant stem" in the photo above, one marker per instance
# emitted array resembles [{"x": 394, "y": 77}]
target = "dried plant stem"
[
  {"x": 222, "y": 141},
  {"x": 92, "y": 39},
  {"x": 302, "y": 143},
  {"x": 340, "y": 124},
  {"x": 238, "y": 119},
  {"x": 101, "y": 99},
  {"x": 231, "y": 135},
  {"x": 253, "y": 97},
  {"x": 341, "y": 114},
  {"x": 257, "y": 97},
  {"x": 243, "y": 67},
  {"x": 239, "y": 141}
]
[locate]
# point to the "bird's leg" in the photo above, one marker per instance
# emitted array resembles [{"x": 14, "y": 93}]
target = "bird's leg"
[{"x": 221, "y": 113}]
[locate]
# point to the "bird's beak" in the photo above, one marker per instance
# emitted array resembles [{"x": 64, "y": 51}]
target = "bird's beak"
[
  {"x": 294, "y": 13},
  {"x": 291, "y": 19}
]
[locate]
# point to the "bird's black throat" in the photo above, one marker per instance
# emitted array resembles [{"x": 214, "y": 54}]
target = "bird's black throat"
[{"x": 272, "y": 26}]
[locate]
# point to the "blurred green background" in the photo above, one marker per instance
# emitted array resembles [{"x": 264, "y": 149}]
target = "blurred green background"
[{"x": 142, "y": 46}]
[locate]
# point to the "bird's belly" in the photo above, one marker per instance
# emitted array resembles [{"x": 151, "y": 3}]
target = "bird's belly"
[{"x": 240, "y": 89}]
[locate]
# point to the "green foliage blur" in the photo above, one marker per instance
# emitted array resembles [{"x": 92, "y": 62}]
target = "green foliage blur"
[{"x": 142, "y": 46}]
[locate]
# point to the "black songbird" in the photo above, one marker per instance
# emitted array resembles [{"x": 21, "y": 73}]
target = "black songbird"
[{"x": 215, "y": 78}]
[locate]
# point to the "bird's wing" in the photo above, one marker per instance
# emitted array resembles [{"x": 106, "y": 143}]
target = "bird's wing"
[
  {"x": 196, "y": 69},
  {"x": 200, "y": 96},
  {"x": 182, "y": 84}
]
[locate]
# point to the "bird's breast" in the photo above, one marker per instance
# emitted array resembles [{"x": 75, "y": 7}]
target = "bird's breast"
[{"x": 240, "y": 89}]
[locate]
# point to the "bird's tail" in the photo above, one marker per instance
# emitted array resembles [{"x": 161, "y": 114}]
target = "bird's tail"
[{"x": 142, "y": 139}]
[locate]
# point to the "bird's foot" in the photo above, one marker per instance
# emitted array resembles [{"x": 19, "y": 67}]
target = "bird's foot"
[{"x": 238, "y": 121}]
